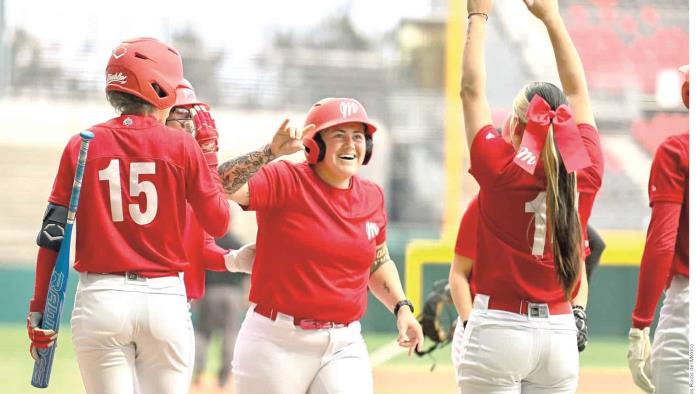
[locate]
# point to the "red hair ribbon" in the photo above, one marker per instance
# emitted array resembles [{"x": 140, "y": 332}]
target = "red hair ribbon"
[{"x": 568, "y": 141}]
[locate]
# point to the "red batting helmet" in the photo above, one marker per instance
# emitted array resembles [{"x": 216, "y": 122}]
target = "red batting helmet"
[
  {"x": 146, "y": 68},
  {"x": 331, "y": 112},
  {"x": 186, "y": 96},
  {"x": 685, "y": 85}
]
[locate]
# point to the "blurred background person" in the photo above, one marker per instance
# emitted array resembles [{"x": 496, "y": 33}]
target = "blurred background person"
[{"x": 219, "y": 312}]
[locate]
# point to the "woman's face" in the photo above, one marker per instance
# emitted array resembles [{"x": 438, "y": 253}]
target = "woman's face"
[
  {"x": 180, "y": 118},
  {"x": 345, "y": 152}
]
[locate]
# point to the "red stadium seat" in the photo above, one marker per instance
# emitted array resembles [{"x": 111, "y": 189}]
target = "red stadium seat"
[
  {"x": 650, "y": 15},
  {"x": 628, "y": 24},
  {"x": 579, "y": 17}
]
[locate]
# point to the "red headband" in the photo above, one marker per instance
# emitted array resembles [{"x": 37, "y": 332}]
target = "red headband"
[{"x": 539, "y": 117}]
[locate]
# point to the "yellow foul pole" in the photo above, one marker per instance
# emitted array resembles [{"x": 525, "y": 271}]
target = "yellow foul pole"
[{"x": 456, "y": 154}]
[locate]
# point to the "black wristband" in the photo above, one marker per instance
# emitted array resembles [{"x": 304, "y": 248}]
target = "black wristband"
[{"x": 400, "y": 304}]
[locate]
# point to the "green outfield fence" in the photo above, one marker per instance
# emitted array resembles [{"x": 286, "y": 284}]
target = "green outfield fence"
[{"x": 612, "y": 291}]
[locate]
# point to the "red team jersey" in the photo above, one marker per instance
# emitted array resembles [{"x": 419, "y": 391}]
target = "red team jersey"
[
  {"x": 466, "y": 236},
  {"x": 669, "y": 182},
  {"x": 514, "y": 257},
  {"x": 667, "y": 244},
  {"x": 132, "y": 209},
  {"x": 203, "y": 255},
  {"x": 315, "y": 243}
]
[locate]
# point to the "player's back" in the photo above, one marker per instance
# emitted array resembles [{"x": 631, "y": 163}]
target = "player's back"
[
  {"x": 138, "y": 178},
  {"x": 514, "y": 252}
]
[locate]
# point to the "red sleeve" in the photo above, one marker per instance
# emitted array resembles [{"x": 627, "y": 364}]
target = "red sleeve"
[
  {"x": 213, "y": 255},
  {"x": 62, "y": 184},
  {"x": 490, "y": 155},
  {"x": 466, "y": 237},
  {"x": 585, "y": 205},
  {"x": 204, "y": 192},
  {"x": 667, "y": 179},
  {"x": 657, "y": 260},
  {"x": 382, "y": 235},
  {"x": 590, "y": 178},
  {"x": 60, "y": 195},
  {"x": 273, "y": 185},
  {"x": 45, "y": 261}
]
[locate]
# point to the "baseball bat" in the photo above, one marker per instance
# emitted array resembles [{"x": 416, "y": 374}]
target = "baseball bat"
[{"x": 59, "y": 277}]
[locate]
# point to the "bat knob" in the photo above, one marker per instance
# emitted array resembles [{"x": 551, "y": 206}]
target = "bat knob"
[{"x": 86, "y": 135}]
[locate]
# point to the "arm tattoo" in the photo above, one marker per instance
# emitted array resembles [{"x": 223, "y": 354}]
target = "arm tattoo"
[
  {"x": 238, "y": 171},
  {"x": 382, "y": 256}
]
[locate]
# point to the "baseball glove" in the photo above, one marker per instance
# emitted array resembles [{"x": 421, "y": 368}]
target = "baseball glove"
[{"x": 439, "y": 317}]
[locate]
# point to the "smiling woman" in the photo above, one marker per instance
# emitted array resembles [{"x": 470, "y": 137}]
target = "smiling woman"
[{"x": 321, "y": 244}]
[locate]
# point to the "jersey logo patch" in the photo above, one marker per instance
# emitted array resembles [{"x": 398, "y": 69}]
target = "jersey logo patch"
[
  {"x": 526, "y": 155},
  {"x": 372, "y": 230},
  {"x": 490, "y": 136}
]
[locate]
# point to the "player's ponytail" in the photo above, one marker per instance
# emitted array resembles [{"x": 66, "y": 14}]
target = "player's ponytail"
[
  {"x": 562, "y": 216},
  {"x": 561, "y": 193}
]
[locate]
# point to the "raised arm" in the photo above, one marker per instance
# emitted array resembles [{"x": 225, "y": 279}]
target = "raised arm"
[
  {"x": 477, "y": 113},
  {"x": 236, "y": 173},
  {"x": 568, "y": 61}
]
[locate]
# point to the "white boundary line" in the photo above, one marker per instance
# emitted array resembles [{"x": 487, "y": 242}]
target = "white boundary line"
[{"x": 385, "y": 353}]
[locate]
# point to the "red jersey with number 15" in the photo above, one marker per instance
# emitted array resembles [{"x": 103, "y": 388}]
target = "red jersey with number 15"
[
  {"x": 514, "y": 256},
  {"x": 138, "y": 177}
]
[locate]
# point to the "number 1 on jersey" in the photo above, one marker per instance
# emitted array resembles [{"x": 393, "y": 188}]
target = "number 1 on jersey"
[
  {"x": 538, "y": 207},
  {"x": 112, "y": 174}
]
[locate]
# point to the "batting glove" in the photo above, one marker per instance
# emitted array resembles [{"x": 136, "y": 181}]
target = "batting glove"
[
  {"x": 206, "y": 133},
  {"x": 40, "y": 339},
  {"x": 581, "y": 324},
  {"x": 241, "y": 260},
  {"x": 639, "y": 358}
]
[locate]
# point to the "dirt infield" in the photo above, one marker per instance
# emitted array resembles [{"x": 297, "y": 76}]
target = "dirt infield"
[{"x": 402, "y": 379}]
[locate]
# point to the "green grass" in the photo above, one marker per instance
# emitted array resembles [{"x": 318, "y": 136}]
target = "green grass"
[{"x": 17, "y": 365}]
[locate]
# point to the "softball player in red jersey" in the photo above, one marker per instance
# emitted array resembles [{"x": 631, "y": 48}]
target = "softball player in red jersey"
[
  {"x": 665, "y": 265},
  {"x": 130, "y": 324},
  {"x": 192, "y": 116},
  {"x": 465, "y": 253},
  {"x": 521, "y": 332},
  {"x": 321, "y": 244}
]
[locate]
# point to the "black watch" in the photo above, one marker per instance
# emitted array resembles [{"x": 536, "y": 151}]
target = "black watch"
[{"x": 400, "y": 304}]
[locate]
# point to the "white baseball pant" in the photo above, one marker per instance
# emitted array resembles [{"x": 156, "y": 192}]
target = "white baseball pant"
[
  {"x": 502, "y": 352},
  {"x": 670, "y": 353},
  {"x": 276, "y": 357},
  {"x": 132, "y": 335}
]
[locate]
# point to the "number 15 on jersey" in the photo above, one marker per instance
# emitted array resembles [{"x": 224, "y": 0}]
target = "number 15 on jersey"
[{"x": 112, "y": 175}]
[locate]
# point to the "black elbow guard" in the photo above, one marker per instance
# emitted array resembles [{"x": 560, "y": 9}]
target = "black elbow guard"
[{"x": 53, "y": 227}]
